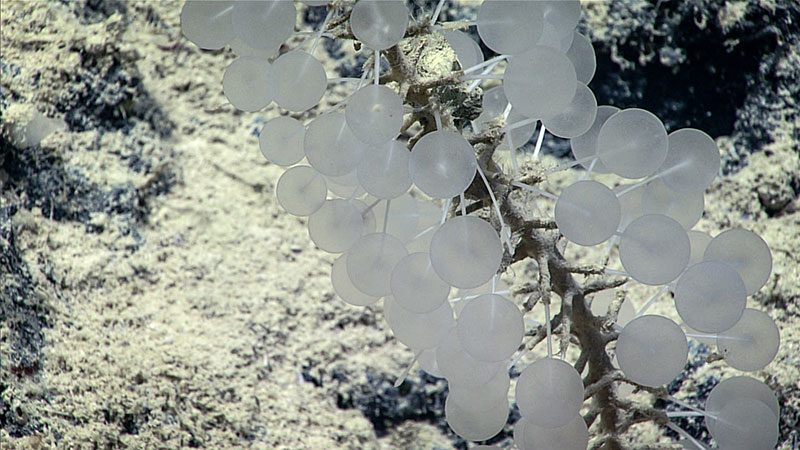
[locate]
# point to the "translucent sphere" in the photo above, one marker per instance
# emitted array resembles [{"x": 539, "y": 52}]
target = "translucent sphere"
[
  {"x": 484, "y": 397},
  {"x": 345, "y": 186},
  {"x": 375, "y": 114},
  {"x": 383, "y": 170},
  {"x": 587, "y": 213},
  {"x": 692, "y": 161},
  {"x": 442, "y": 164},
  {"x": 371, "y": 260},
  {"x": 301, "y": 191},
  {"x": 577, "y": 117},
  {"x": 540, "y": 82},
  {"x": 746, "y": 424},
  {"x": 572, "y": 436},
  {"x": 298, "y": 81},
  {"x": 509, "y": 27},
  {"x": 699, "y": 241},
  {"x": 247, "y": 84},
  {"x": 427, "y": 362},
  {"x": 518, "y": 136},
  {"x": 379, "y": 24},
  {"x": 416, "y": 286},
  {"x": 554, "y": 38},
  {"x": 264, "y": 24},
  {"x": 335, "y": 226},
  {"x": 281, "y": 141},
  {"x": 563, "y": 15},
  {"x": 734, "y": 388},
  {"x": 459, "y": 367},
  {"x": 474, "y": 425},
  {"x": 746, "y": 252},
  {"x": 467, "y": 50},
  {"x": 710, "y": 297},
  {"x": 686, "y": 209},
  {"x": 207, "y": 24},
  {"x": 490, "y": 328},
  {"x": 652, "y": 350},
  {"x": 581, "y": 53},
  {"x": 630, "y": 204},
  {"x": 344, "y": 287},
  {"x": 632, "y": 143},
  {"x": 494, "y": 104},
  {"x": 331, "y": 147},
  {"x": 654, "y": 249},
  {"x": 549, "y": 393},
  {"x": 466, "y": 252},
  {"x": 418, "y": 331},
  {"x": 585, "y": 145},
  {"x": 403, "y": 218},
  {"x": 752, "y": 343}
]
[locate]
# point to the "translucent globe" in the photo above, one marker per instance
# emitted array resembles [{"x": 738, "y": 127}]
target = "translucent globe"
[
  {"x": 476, "y": 425},
  {"x": 331, "y": 147},
  {"x": 379, "y": 24},
  {"x": 418, "y": 331},
  {"x": 247, "y": 84},
  {"x": 494, "y": 104},
  {"x": 344, "y": 288},
  {"x": 587, "y": 213},
  {"x": 585, "y": 145},
  {"x": 563, "y": 15},
  {"x": 746, "y": 252},
  {"x": 549, "y": 393},
  {"x": 416, "y": 286},
  {"x": 652, "y": 350},
  {"x": 403, "y": 217},
  {"x": 752, "y": 343},
  {"x": 467, "y": 50},
  {"x": 459, "y": 367},
  {"x": 746, "y": 424},
  {"x": 490, "y": 328},
  {"x": 572, "y": 436},
  {"x": 710, "y": 297},
  {"x": 371, "y": 260},
  {"x": 427, "y": 362},
  {"x": 582, "y": 55},
  {"x": 540, "y": 82},
  {"x": 298, "y": 81},
  {"x": 383, "y": 170},
  {"x": 734, "y": 388},
  {"x": 301, "y": 191},
  {"x": 442, "y": 164},
  {"x": 699, "y": 241},
  {"x": 335, "y": 226},
  {"x": 686, "y": 209},
  {"x": 466, "y": 252},
  {"x": 509, "y": 27},
  {"x": 484, "y": 397},
  {"x": 345, "y": 186},
  {"x": 207, "y": 24},
  {"x": 692, "y": 161},
  {"x": 375, "y": 114},
  {"x": 264, "y": 24},
  {"x": 281, "y": 141},
  {"x": 654, "y": 249},
  {"x": 577, "y": 117},
  {"x": 632, "y": 143},
  {"x": 518, "y": 136}
]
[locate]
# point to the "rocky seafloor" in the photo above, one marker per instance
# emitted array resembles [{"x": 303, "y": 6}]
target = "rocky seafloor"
[{"x": 154, "y": 295}]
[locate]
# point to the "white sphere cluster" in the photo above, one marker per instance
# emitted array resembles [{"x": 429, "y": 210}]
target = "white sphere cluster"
[{"x": 367, "y": 194}]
